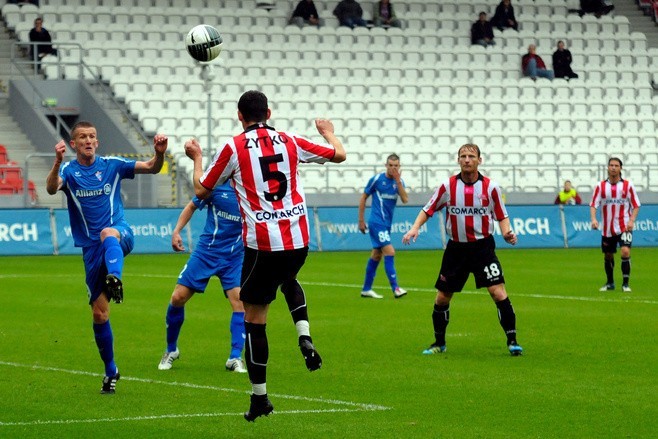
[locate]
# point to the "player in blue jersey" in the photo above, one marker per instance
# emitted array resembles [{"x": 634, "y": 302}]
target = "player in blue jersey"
[
  {"x": 219, "y": 252},
  {"x": 385, "y": 189},
  {"x": 92, "y": 185}
]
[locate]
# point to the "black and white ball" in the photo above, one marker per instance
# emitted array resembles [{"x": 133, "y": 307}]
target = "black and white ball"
[{"x": 204, "y": 43}]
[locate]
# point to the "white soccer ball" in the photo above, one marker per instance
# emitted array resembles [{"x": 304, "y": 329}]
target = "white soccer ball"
[{"x": 204, "y": 43}]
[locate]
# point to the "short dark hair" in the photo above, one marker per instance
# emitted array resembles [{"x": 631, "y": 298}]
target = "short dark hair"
[
  {"x": 81, "y": 124},
  {"x": 253, "y": 106},
  {"x": 621, "y": 165},
  {"x": 393, "y": 157}
]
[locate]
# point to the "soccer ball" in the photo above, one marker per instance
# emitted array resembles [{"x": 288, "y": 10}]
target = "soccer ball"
[{"x": 203, "y": 42}]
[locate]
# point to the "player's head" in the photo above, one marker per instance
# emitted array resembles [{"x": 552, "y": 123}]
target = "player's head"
[
  {"x": 38, "y": 22},
  {"x": 392, "y": 163},
  {"x": 560, "y": 45},
  {"x": 469, "y": 157},
  {"x": 253, "y": 107},
  {"x": 83, "y": 139},
  {"x": 614, "y": 167},
  {"x": 483, "y": 16},
  {"x": 567, "y": 185}
]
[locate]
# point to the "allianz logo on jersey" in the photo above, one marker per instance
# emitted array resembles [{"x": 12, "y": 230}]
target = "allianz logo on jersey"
[
  {"x": 81, "y": 193},
  {"x": 265, "y": 215},
  {"x": 228, "y": 216}
]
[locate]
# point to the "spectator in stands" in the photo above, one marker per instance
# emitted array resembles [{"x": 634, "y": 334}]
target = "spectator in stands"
[
  {"x": 41, "y": 37},
  {"x": 384, "y": 15},
  {"x": 596, "y": 7},
  {"x": 568, "y": 195},
  {"x": 504, "y": 16},
  {"x": 306, "y": 13},
  {"x": 482, "y": 32},
  {"x": 532, "y": 65},
  {"x": 349, "y": 13},
  {"x": 562, "y": 62}
]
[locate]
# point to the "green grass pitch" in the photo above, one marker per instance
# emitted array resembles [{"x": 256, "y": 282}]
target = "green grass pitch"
[{"x": 589, "y": 368}]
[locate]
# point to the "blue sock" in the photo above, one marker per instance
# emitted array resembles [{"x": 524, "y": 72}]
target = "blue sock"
[
  {"x": 371, "y": 270},
  {"x": 389, "y": 266},
  {"x": 113, "y": 256},
  {"x": 237, "y": 334},
  {"x": 105, "y": 343},
  {"x": 174, "y": 320}
]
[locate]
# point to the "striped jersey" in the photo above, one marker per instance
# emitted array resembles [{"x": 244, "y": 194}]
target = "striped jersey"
[
  {"x": 93, "y": 195},
  {"x": 263, "y": 164},
  {"x": 471, "y": 208},
  {"x": 617, "y": 202},
  {"x": 384, "y": 193}
]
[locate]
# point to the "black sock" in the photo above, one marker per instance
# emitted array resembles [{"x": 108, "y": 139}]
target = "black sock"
[
  {"x": 609, "y": 270},
  {"x": 440, "y": 320},
  {"x": 296, "y": 300},
  {"x": 256, "y": 352},
  {"x": 507, "y": 319},
  {"x": 626, "y": 269}
]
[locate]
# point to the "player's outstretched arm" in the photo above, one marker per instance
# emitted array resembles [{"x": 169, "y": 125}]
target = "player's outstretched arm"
[
  {"x": 53, "y": 180},
  {"x": 193, "y": 151},
  {"x": 413, "y": 233},
  {"x": 154, "y": 165},
  {"x": 183, "y": 219},
  {"x": 326, "y": 129},
  {"x": 508, "y": 234}
]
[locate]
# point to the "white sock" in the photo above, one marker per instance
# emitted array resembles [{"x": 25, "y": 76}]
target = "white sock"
[
  {"x": 259, "y": 389},
  {"x": 303, "y": 328}
]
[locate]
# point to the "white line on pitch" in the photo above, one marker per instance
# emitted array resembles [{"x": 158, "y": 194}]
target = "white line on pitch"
[
  {"x": 359, "y": 406},
  {"x": 619, "y": 299},
  {"x": 169, "y": 416}
]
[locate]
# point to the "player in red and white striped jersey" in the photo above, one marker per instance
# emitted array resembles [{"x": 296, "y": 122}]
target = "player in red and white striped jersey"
[
  {"x": 619, "y": 208},
  {"x": 472, "y": 202},
  {"x": 262, "y": 164}
]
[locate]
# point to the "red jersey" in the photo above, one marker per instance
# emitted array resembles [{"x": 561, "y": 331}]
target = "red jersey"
[
  {"x": 262, "y": 163},
  {"x": 471, "y": 208},
  {"x": 617, "y": 202}
]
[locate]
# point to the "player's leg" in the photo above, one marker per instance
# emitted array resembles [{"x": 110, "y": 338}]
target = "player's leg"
[
  {"x": 236, "y": 326},
  {"x": 258, "y": 290},
  {"x": 440, "y": 320},
  {"x": 609, "y": 248},
  {"x": 626, "y": 266},
  {"x": 296, "y": 300},
  {"x": 371, "y": 271},
  {"x": 506, "y": 317},
  {"x": 256, "y": 354},
  {"x": 117, "y": 243},
  {"x": 389, "y": 266},
  {"x": 100, "y": 309},
  {"x": 174, "y": 319}
]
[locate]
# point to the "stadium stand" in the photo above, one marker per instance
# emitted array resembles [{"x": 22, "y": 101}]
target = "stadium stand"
[{"x": 418, "y": 91}]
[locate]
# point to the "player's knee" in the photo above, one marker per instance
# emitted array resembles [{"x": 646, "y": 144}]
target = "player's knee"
[
  {"x": 625, "y": 252},
  {"x": 100, "y": 315},
  {"x": 290, "y": 286},
  {"x": 180, "y": 296},
  {"x": 109, "y": 231}
]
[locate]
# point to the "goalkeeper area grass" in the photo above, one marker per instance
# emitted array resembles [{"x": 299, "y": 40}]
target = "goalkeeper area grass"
[{"x": 588, "y": 369}]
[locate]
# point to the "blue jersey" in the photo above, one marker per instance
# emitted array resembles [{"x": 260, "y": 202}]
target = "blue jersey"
[
  {"x": 93, "y": 196},
  {"x": 223, "y": 230},
  {"x": 384, "y": 193}
]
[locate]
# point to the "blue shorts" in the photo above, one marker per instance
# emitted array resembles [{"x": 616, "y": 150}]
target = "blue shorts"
[
  {"x": 380, "y": 236},
  {"x": 202, "y": 266},
  {"x": 94, "y": 259}
]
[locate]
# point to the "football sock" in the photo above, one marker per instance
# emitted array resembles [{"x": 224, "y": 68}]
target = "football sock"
[
  {"x": 371, "y": 270},
  {"x": 626, "y": 269},
  {"x": 507, "y": 319},
  {"x": 296, "y": 300},
  {"x": 389, "y": 267},
  {"x": 256, "y": 355},
  {"x": 609, "y": 270},
  {"x": 237, "y": 334},
  {"x": 175, "y": 318},
  {"x": 440, "y": 320},
  {"x": 105, "y": 343},
  {"x": 113, "y": 256}
]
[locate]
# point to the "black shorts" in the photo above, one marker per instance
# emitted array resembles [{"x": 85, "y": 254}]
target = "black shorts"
[
  {"x": 263, "y": 272},
  {"x": 609, "y": 243},
  {"x": 462, "y": 258}
]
